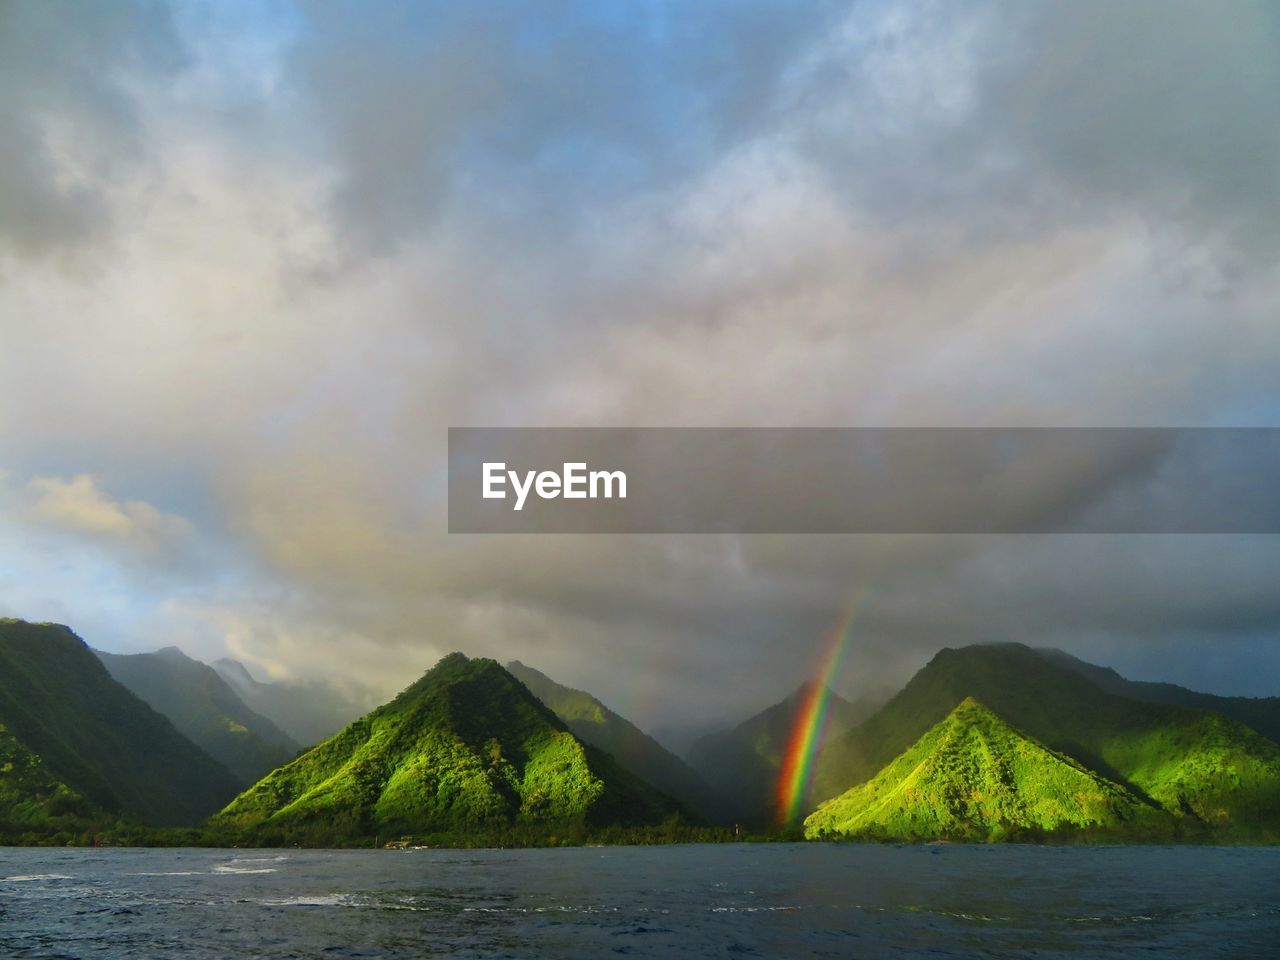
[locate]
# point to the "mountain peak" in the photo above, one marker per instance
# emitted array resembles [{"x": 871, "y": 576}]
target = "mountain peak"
[
  {"x": 452, "y": 668},
  {"x": 973, "y": 776},
  {"x": 805, "y": 689},
  {"x": 466, "y": 746},
  {"x": 233, "y": 670}
]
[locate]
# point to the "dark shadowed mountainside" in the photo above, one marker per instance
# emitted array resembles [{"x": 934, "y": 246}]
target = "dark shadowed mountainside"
[
  {"x": 1260, "y": 713},
  {"x": 743, "y": 764},
  {"x": 77, "y": 732},
  {"x": 204, "y": 708},
  {"x": 594, "y": 723}
]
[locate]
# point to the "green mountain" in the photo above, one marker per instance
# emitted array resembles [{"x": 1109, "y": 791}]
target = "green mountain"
[
  {"x": 1209, "y": 770},
  {"x": 75, "y": 740},
  {"x": 465, "y": 749},
  {"x": 594, "y": 723},
  {"x": 34, "y": 802},
  {"x": 308, "y": 711},
  {"x": 743, "y": 763},
  {"x": 1259, "y": 713},
  {"x": 973, "y": 777},
  {"x": 205, "y": 709}
]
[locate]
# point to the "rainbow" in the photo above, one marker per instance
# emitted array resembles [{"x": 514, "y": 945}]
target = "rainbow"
[{"x": 811, "y": 721}]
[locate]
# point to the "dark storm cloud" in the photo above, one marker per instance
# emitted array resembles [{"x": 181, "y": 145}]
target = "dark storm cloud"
[
  {"x": 548, "y": 103},
  {"x": 1006, "y": 119},
  {"x": 1174, "y": 106},
  {"x": 67, "y": 110}
]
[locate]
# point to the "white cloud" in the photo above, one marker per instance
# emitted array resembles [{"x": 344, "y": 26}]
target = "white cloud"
[{"x": 80, "y": 506}]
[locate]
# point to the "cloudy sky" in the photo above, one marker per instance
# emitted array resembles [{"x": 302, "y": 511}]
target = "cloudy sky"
[{"x": 256, "y": 258}]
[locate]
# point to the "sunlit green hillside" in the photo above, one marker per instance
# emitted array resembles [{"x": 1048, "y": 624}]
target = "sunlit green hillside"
[
  {"x": 973, "y": 777},
  {"x": 466, "y": 747},
  {"x": 1212, "y": 772}
]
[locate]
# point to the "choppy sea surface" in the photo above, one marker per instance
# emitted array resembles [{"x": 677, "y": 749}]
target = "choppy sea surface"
[{"x": 741, "y": 900}]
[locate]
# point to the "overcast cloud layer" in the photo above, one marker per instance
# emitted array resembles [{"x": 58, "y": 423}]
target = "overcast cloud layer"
[{"x": 255, "y": 259}]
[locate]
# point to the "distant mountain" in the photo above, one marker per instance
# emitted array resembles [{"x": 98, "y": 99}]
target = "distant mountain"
[
  {"x": 204, "y": 708},
  {"x": 743, "y": 763},
  {"x": 973, "y": 777},
  {"x": 679, "y": 737},
  {"x": 307, "y": 710},
  {"x": 594, "y": 723},
  {"x": 1259, "y": 713},
  {"x": 81, "y": 742},
  {"x": 466, "y": 748},
  {"x": 1209, "y": 769}
]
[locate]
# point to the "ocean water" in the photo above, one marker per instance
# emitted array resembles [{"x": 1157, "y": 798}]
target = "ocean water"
[{"x": 741, "y": 900}]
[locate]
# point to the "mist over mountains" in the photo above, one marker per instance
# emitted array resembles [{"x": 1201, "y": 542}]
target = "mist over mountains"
[
  {"x": 204, "y": 708},
  {"x": 308, "y": 710}
]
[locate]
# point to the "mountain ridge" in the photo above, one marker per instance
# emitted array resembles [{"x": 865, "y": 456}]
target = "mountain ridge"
[
  {"x": 594, "y": 723},
  {"x": 1261, "y": 714},
  {"x": 204, "y": 708},
  {"x": 308, "y": 712}
]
